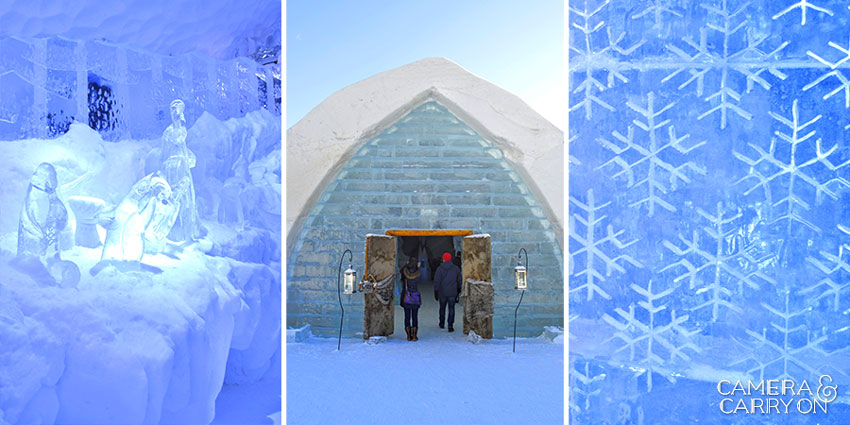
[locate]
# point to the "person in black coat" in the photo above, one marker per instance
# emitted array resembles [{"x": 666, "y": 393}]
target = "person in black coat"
[
  {"x": 447, "y": 281},
  {"x": 411, "y": 276}
]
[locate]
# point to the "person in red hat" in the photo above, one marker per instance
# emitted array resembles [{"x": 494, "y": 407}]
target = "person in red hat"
[{"x": 447, "y": 281}]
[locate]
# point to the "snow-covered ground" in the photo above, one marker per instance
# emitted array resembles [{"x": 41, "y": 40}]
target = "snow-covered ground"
[
  {"x": 249, "y": 404},
  {"x": 440, "y": 379}
]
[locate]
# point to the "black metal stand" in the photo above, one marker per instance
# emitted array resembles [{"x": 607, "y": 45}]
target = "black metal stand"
[
  {"x": 338, "y": 275},
  {"x": 521, "y": 250}
]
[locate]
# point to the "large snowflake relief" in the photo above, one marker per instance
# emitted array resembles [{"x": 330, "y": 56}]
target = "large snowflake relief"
[
  {"x": 795, "y": 172},
  {"x": 595, "y": 247},
  {"x": 719, "y": 260},
  {"x": 656, "y": 337},
  {"x": 728, "y": 46},
  {"x": 788, "y": 347},
  {"x": 596, "y": 57},
  {"x": 649, "y": 162}
]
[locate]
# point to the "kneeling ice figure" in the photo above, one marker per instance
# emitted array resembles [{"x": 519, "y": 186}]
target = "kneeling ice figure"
[{"x": 143, "y": 219}]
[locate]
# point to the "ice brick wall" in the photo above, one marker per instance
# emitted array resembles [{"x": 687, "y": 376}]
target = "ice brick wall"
[
  {"x": 47, "y": 83},
  {"x": 427, "y": 171},
  {"x": 709, "y": 206}
]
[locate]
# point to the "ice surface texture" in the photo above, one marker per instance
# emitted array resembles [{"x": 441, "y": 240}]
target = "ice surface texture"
[
  {"x": 709, "y": 226},
  {"x": 46, "y": 84}
]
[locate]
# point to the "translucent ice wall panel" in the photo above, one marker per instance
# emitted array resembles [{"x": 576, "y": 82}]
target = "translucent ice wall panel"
[
  {"x": 45, "y": 84},
  {"x": 709, "y": 192}
]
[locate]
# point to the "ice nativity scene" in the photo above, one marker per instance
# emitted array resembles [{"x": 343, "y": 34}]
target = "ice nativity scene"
[{"x": 140, "y": 213}]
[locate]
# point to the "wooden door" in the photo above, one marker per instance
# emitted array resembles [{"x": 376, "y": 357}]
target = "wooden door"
[
  {"x": 478, "y": 291},
  {"x": 379, "y": 286}
]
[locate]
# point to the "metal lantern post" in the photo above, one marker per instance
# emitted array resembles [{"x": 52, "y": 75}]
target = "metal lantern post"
[
  {"x": 521, "y": 284},
  {"x": 350, "y": 277}
]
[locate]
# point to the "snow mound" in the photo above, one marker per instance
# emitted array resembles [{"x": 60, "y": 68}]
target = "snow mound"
[
  {"x": 375, "y": 340},
  {"x": 553, "y": 334},
  {"x": 474, "y": 337},
  {"x": 133, "y": 347},
  {"x": 301, "y": 334}
]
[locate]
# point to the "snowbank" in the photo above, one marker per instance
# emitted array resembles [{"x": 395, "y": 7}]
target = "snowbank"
[{"x": 134, "y": 347}]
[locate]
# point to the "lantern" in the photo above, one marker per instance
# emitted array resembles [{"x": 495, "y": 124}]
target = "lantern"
[
  {"x": 348, "y": 280},
  {"x": 350, "y": 275},
  {"x": 521, "y": 283},
  {"x": 520, "y": 275}
]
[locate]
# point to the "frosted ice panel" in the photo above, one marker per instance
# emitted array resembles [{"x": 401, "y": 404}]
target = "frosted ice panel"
[{"x": 709, "y": 198}]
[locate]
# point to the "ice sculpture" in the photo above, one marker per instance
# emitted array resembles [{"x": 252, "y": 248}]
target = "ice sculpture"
[
  {"x": 143, "y": 219},
  {"x": 177, "y": 161},
  {"x": 87, "y": 211},
  {"x": 43, "y": 215}
]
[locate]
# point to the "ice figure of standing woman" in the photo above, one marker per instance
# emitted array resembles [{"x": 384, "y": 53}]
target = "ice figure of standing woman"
[
  {"x": 43, "y": 215},
  {"x": 177, "y": 161}
]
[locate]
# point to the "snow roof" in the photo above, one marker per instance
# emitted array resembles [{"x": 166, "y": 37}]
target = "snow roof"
[
  {"x": 319, "y": 145},
  {"x": 221, "y": 29}
]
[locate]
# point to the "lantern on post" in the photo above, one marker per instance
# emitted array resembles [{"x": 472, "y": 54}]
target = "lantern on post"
[
  {"x": 520, "y": 275},
  {"x": 348, "y": 281},
  {"x": 350, "y": 276},
  {"x": 520, "y": 284}
]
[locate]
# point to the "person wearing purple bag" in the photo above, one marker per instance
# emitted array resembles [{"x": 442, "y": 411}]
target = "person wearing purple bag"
[{"x": 410, "y": 299}]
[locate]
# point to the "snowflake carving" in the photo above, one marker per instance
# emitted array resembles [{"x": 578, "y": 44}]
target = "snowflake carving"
[
  {"x": 781, "y": 353},
  {"x": 584, "y": 385},
  {"x": 657, "y": 8},
  {"x": 776, "y": 169},
  {"x": 650, "y": 168},
  {"x": 594, "y": 248},
  {"x": 834, "y": 71},
  {"x": 831, "y": 266},
  {"x": 649, "y": 340},
  {"x": 750, "y": 62},
  {"x": 803, "y": 5},
  {"x": 589, "y": 58},
  {"x": 713, "y": 264},
  {"x": 572, "y": 159}
]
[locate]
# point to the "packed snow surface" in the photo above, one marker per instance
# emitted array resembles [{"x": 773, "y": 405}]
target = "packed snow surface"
[{"x": 440, "y": 379}]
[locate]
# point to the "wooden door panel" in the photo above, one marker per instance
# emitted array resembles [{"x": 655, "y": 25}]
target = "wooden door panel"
[{"x": 378, "y": 307}]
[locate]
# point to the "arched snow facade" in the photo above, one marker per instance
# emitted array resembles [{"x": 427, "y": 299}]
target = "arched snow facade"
[{"x": 431, "y": 164}]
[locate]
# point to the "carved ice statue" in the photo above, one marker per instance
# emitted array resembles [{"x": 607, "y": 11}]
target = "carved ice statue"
[
  {"x": 43, "y": 215},
  {"x": 177, "y": 161},
  {"x": 143, "y": 219}
]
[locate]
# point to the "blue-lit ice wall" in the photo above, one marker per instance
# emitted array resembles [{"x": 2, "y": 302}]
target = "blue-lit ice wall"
[
  {"x": 429, "y": 170},
  {"x": 47, "y": 83},
  {"x": 709, "y": 229}
]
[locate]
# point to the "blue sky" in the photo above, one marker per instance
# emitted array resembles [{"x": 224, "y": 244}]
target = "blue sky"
[{"x": 516, "y": 45}]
